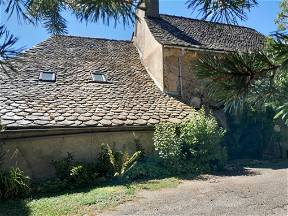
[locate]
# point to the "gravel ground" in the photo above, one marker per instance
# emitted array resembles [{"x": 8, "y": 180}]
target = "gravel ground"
[{"x": 263, "y": 192}]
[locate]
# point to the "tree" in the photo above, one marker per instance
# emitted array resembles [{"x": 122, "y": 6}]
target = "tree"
[
  {"x": 257, "y": 79},
  {"x": 228, "y": 11}
]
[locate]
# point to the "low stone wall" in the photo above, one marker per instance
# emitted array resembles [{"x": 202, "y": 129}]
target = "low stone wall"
[{"x": 34, "y": 152}]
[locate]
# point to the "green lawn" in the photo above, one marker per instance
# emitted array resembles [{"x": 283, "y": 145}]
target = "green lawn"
[{"x": 82, "y": 201}]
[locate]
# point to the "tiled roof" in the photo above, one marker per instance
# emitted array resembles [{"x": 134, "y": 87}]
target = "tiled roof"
[
  {"x": 131, "y": 98},
  {"x": 181, "y": 31}
]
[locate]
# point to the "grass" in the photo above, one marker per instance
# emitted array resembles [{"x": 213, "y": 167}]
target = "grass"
[{"x": 85, "y": 202}]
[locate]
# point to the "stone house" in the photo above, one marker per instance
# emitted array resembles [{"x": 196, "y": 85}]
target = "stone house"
[{"x": 71, "y": 94}]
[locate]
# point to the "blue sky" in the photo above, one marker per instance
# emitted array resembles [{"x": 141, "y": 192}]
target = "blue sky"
[{"x": 261, "y": 18}]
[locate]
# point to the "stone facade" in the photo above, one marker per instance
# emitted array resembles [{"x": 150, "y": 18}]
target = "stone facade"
[{"x": 178, "y": 75}]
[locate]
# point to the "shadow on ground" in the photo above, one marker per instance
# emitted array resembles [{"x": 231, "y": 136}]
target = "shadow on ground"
[
  {"x": 247, "y": 167},
  {"x": 14, "y": 208}
]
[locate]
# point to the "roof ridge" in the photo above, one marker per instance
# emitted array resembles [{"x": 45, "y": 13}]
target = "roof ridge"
[
  {"x": 92, "y": 38},
  {"x": 211, "y": 22},
  {"x": 38, "y": 45}
]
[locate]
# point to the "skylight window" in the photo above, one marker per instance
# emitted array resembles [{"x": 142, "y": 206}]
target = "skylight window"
[
  {"x": 47, "y": 76},
  {"x": 98, "y": 77}
]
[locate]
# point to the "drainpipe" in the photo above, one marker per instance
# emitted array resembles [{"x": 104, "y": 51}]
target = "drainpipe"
[{"x": 180, "y": 62}]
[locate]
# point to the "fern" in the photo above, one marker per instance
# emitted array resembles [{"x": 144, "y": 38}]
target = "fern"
[{"x": 120, "y": 161}]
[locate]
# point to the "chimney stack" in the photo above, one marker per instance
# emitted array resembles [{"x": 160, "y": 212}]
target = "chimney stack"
[{"x": 152, "y": 8}]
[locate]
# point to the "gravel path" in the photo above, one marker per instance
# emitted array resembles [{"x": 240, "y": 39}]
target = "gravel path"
[{"x": 264, "y": 193}]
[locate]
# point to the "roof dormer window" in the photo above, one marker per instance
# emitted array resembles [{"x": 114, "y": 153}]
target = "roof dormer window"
[
  {"x": 98, "y": 77},
  {"x": 47, "y": 76}
]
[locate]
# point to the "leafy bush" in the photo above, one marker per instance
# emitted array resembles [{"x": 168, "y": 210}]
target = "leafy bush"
[
  {"x": 103, "y": 164},
  {"x": 191, "y": 146},
  {"x": 13, "y": 184},
  {"x": 74, "y": 173},
  {"x": 64, "y": 166}
]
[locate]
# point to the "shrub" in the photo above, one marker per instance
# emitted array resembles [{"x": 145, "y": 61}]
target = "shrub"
[
  {"x": 74, "y": 173},
  {"x": 13, "y": 184},
  {"x": 191, "y": 146},
  {"x": 64, "y": 166},
  {"x": 103, "y": 164}
]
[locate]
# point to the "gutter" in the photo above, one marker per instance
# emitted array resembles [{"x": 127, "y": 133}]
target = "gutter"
[
  {"x": 36, "y": 132},
  {"x": 196, "y": 49}
]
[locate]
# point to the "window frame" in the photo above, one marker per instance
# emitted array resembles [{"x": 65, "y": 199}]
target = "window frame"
[
  {"x": 104, "y": 77},
  {"x": 46, "y": 80}
]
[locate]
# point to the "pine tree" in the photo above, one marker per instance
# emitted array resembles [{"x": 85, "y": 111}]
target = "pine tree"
[{"x": 257, "y": 79}]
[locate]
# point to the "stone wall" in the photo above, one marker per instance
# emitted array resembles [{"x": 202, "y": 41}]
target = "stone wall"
[
  {"x": 34, "y": 154},
  {"x": 178, "y": 75}
]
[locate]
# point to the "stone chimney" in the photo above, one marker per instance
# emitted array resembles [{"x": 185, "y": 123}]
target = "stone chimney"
[{"x": 152, "y": 8}]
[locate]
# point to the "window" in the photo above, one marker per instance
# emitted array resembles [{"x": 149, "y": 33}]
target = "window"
[
  {"x": 97, "y": 77},
  {"x": 47, "y": 76}
]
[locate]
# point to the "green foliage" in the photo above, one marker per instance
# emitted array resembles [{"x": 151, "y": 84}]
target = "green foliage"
[
  {"x": 222, "y": 10},
  {"x": 117, "y": 161},
  {"x": 167, "y": 141},
  {"x": 192, "y": 146},
  {"x": 49, "y": 12},
  {"x": 258, "y": 79},
  {"x": 13, "y": 184},
  {"x": 250, "y": 134},
  {"x": 103, "y": 164},
  {"x": 73, "y": 173},
  {"x": 63, "y": 167},
  {"x": 233, "y": 79},
  {"x": 282, "y": 18},
  {"x": 202, "y": 137}
]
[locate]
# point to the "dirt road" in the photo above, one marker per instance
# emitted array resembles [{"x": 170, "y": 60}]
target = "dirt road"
[{"x": 264, "y": 192}]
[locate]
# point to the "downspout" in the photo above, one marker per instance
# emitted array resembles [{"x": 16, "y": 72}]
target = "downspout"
[{"x": 180, "y": 62}]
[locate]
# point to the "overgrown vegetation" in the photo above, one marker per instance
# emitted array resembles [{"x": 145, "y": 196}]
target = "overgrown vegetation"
[
  {"x": 72, "y": 174},
  {"x": 13, "y": 182},
  {"x": 252, "y": 133},
  {"x": 192, "y": 146},
  {"x": 258, "y": 79},
  {"x": 187, "y": 148}
]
